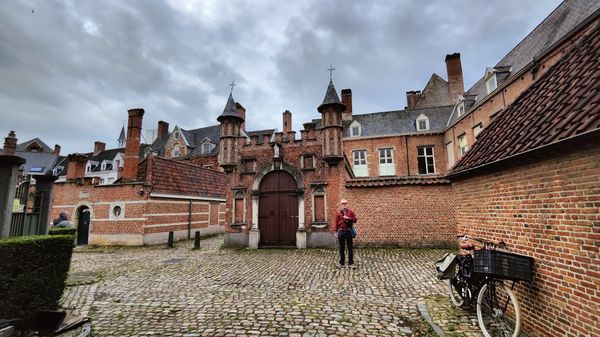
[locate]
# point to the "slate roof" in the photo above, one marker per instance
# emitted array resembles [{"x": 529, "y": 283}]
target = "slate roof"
[
  {"x": 23, "y": 146},
  {"x": 554, "y": 27},
  {"x": 37, "y": 162},
  {"x": 331, "y": 97},
  {"x": 180, "y": 178},
  {"x": 260, "y": 134},
  {"x": 562, "y": 104},
  {"x": 400, "y": 121},
  {"x": 109, "y": 154},
  {"x": 194, "y": 137},
  {"x": 394, "y": 181}
]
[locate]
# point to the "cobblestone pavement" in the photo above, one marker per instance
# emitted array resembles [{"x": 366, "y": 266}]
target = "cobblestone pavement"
[{"x": 154, "y": 291}]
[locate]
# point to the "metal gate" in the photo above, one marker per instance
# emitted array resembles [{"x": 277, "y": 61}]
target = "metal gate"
[{"x": 27, "y": 208}]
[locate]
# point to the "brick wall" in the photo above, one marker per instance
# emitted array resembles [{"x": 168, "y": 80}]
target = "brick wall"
[
  {"x": 407, "y": 216},
  {"x": 549, "y": 210}
]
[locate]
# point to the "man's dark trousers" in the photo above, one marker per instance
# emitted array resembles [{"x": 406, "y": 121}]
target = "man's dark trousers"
[{"x": 345, "y": 238}]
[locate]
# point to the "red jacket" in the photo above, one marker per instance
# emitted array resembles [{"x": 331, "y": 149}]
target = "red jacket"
[{"x": 339, "y": 219}]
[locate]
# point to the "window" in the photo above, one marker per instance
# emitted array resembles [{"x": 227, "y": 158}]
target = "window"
[
  {"x": 207, "y": 148},
  {"x": 386, "y": 162},
  {"x": 477, "y": 129},
  {"x": 103, "y": 167},
  {"x": 117, "y": 164},
  {"x": 461, "y": 109},
  {"x": 422, "y": 123},
  {"x": 175, "y": 152},
  {"x": 248, "y": 165},
  {"x": 355, "y": 129},
  {"x": 307, "y": 162},
  {"x": 359, "y": 158},
  {"x": 176, "y": 135},
  {"x": 462, "y": 144},
  {"x": 426, "y": 159},
  {"x": 490, "y": 83},
  {"x": 450, "y": 154}
]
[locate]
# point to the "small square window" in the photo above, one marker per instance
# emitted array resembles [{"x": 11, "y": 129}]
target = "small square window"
[{"x": 355, "y": 131}]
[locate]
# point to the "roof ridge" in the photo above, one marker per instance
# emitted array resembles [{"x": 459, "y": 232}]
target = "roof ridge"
[{"x": 189, "y": 164}]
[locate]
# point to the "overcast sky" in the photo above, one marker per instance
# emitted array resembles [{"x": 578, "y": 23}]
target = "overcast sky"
[{"x": 69, "y": 70}]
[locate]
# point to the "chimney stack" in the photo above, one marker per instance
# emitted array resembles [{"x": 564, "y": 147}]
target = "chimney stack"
[
  {"x": 347, "y": 101},
  {"x": 412, "y": 98},
  {"x": 242, "y": 112},
  {"x": 287, "y": 121},
  {"x": 10, "y": 144},
  {"x": 99, "y": 147},
  {"x": 132, "y": 147},
  {"x": 456, "y": 86},
  {"x": 76, "y": 166},
  {"x": 56, "y": 150},
  {"x": 163, "y": 130}
]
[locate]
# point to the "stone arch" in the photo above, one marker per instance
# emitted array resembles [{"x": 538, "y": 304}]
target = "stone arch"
[{"x": 254, "y": 238}]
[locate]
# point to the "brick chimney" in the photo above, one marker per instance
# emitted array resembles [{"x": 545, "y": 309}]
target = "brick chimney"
[
  {"x": 10, "y": 144},
  {"x": 412, "y": 98},
  {"x": 56, "y": 150},
  {"x": 456, "y": 86},
  {"x": 242, "y": 112},
  {"x": 132, "y": 147},
  {"x": 76, "y": 166},
  {"x": 287, "y": 121},
  {"x": 163, "y": 130},
  {"x": 347, "y": 101},
  {"x": 99, "y": 147}
]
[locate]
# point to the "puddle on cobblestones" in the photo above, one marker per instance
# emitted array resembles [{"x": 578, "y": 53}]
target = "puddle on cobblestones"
[{"x": 175, "y": 260}]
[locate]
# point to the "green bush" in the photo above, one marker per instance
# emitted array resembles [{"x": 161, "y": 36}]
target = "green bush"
[
  {"x": 62, "y": 231},
  {"x": 33, "y": 271}
]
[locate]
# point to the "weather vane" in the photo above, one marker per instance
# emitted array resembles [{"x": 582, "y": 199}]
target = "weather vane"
[
  {"x": 331, "y": 69},
  {"x": 232, "y": 84}
]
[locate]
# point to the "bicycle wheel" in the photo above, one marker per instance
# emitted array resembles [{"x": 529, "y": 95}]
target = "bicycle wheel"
[
  {"x": 498, "y": 311},
  {"x": 458, "y": 289}
]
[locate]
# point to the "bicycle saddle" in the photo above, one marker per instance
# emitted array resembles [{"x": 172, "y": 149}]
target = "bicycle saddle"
[{"x": 464, "y": 244}]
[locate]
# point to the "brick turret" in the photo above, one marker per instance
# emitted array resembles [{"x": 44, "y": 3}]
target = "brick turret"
[
  {"x": 331, "y": 126},
  {"x": 231, "y": 124}
]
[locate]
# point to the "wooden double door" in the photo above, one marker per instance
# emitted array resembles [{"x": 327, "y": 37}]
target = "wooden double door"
[{"x": 278, "y": 209}]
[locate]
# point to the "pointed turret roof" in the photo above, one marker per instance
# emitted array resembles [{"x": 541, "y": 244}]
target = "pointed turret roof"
[
  {"x": 230, "y": 110},
  {"x": 331, "y": 97},
  {"x": 121, "y": 139}
]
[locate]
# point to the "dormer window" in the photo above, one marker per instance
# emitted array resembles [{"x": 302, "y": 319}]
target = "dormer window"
[
  {"x": 355, "y": 129},
  {"x": 207, "y": 147},
  {"x": 461, "y": 109},
  {"x": 491, "y": 82},
  {"x": 422, "y": 123}
]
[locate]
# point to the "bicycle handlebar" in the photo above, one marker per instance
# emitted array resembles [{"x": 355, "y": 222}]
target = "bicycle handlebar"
[{"x": 484, "y": 241}]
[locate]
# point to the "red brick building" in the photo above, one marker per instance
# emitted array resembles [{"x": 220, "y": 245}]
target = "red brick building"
[{"x": 152, "y": 197}]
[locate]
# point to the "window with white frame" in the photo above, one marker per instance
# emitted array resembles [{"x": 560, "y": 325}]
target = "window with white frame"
[
  {"x": 175, "y": 152},
  {"x": 462, "y": 144},
  {"x": 355, "y": 129},
  {"x": 117, "y": 164},
  {"x": 422, "y": 123},
  {"x": 461, "y": 109},
  {"x": 477, "y": 129},
  {"x": 426, "y": 159},
  {"x": 386, "y": 162},
  {"x": 490, "y": 80},
  {"x": 207, "y": 147},
  {"x": 450, "y": 154},
  {"x": 359, "y": 159}
]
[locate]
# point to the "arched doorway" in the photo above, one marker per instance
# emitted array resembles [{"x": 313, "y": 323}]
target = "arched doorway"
[
  {"x": 278, "y": 209},
  {"x": 83, "y": 225}
]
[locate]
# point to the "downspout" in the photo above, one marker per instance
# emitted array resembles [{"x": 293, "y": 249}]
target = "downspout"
[
  {"x": 407, "y": 164},
  {"x": 190, "y": 220}
]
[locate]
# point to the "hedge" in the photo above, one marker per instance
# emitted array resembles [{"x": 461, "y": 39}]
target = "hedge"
[
  {"x": 33, "y": 271},
  {"x": 62, "y": 231}
]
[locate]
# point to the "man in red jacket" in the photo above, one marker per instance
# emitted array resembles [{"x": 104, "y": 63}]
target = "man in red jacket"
[{"x": 344, "y": 220}]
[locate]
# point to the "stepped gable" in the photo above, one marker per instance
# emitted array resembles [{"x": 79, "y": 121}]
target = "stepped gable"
[{"x": 564, "y": 103}]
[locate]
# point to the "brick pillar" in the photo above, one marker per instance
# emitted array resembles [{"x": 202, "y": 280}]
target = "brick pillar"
[
  {"x": 76, "y": 166},
  {"x": 287, "y": 121},
  {"x": 132, "y": 147},
  {"x": 163, "y": 130},
  {"x": 10, "y": 144},
  {"x": 99, "y": 147},
  {"x": 412, "y": 98},
  {"x": 242, "y": 112},
  {"x": 456, "y": 86},
  {"x": 56, "y": 150}
]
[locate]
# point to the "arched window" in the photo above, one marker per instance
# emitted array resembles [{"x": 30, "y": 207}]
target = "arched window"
[{"x": 175, "y": 153}]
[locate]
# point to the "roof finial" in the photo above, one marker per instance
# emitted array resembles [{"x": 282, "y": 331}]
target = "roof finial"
[
  {"x": 232, "y": 84},
  {"x": 331, "y": 69}
]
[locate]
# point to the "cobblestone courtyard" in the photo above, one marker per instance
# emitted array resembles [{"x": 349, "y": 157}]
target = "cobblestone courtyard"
[{"x": 271, "y": 292}]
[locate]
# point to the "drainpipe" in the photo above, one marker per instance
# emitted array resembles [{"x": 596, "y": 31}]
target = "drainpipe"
[
  {"x": 407, "y": 164},
  {"x": 190, "y": 220}
]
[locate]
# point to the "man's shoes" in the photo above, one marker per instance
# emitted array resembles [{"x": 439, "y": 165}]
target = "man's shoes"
[
  {"x": 341, "y": 266},
  {"x": 353, "y": 267}
]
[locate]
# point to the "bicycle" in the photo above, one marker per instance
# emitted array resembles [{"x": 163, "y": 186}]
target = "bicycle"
[{"x": 482, "y": 272}]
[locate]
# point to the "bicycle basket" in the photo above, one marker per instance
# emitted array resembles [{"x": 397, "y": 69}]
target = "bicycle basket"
[
  {"x": 503, "y": 265},
  {"x": 446, "y": 267}
]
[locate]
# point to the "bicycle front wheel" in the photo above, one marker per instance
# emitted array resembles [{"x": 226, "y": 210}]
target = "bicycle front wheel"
[{"x": 498, "y": 311}]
